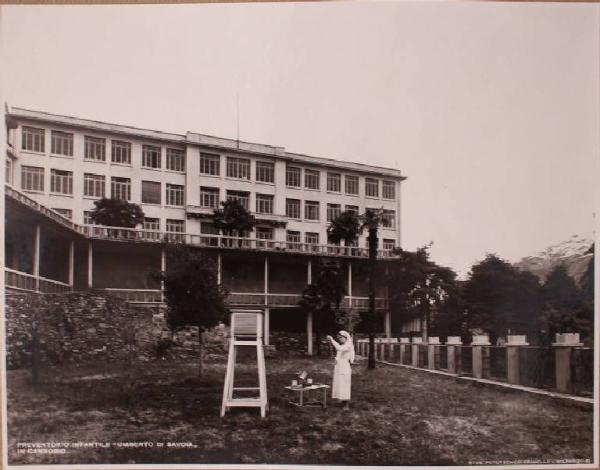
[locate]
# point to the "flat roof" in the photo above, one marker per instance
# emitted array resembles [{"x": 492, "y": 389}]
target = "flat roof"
[{"x": 202, "y": 140}]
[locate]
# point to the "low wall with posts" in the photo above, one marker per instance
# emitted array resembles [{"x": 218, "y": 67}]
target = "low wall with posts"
[{"x": 565, "y": 366}]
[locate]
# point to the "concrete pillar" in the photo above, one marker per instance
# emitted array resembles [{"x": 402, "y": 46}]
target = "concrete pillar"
[
  {"x": 36, "y": 255},
  {"x": 309, "y": 272},
  {"x": 388, "y": 324},
  {"x": 404, "y": 343},
  {"x": 453, "y": 344},
  {"x": 90, "y": 265},
  {"x": 432, "y": 351},
  {"x": 163, "y": 269},
  {"x": 71, "y": 262},
  {"x": 415, "y": 350},
  {"x": 481, "y": 356},
  {"x": 309, "y": 333},
  {"x": 266, "y": 326},
  {"x": 266, "y": 291},
  {"x": 219, "y": 269},
  {"x": 565, "y": 342},
  {"x": 512, "y": 357}
]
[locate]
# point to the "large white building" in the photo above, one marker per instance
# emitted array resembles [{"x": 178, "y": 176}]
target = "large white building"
[{"x": 67, "y": 163}]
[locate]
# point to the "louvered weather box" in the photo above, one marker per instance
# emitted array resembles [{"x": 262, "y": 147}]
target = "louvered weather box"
[{"x": 246, "y": 330}]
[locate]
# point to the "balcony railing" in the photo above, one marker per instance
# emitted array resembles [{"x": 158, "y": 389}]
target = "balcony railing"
[
  {"x": 202, "y": 240},
  {"x": 19, "y": 280}
]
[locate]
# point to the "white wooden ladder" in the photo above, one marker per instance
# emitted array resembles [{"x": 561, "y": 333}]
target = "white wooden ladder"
[{"x": 246, "y": 330}]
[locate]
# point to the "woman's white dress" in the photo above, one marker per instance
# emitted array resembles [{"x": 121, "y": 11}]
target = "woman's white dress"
[{"x": 342, "y": 373}]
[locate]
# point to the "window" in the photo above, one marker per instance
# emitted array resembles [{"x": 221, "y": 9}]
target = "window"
[
  {"x": 151, "y": 224},
  {"x": 388, "y": 219},
  {"x": 209, "y": 197},
  {"x": 292, "y": 177},
  {"x": 333, "y": 211},
  {"x": 175, "y": 160},
  {"x": 150, "y": 156},
  {"x": 151, "y": 192},
  {"x": 264, "y": 233},
  {"x": 292, "y": 208},
  {"x": 175, "y": 194},
  {"x": 8, "y": 170},
  {"x": 68, "y": 213},
  {"x": 311, "y": 179},
  {"x": 209, "y": 164},
  {"x": 265, "y": 172},
  {"x": 352, "y": 209},
  {"x": 208, "y": 228},
  {"x": 351, "y": 183},
  {"x": 312, "y": 238},
  {"x": 61, "y": 182},
  {"x": 264, "y": 203},
  {"x": 175, "y": 226},
  {"x": 334, "y": 182},
  {"x": 241, "y": 196},
  {"x": 32, "y": 138},
  {"x": 238, "y": 168},
  {"x": 389, "y": 244},
  {"x": 372, "y": 187},
  {"x": 93, "y": 185},
  {"x": 389, "y": 190},
  {"x": 293, "y": 236},
  {"x": 87, "y": 218},
  {"x": 311, "y": 210},
  {"x": 121, "y": 152},
  {"x": 32, "y": 178},
  {"x": 120, "y": 188},
  {"x": 95, "y": 148},
  {"x": 62, "y": 143}
]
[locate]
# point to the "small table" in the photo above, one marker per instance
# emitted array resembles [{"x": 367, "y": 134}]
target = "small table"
[{"x": 302, "y": 390}]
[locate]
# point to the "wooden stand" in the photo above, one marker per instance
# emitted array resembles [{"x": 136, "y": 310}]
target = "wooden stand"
[{"x": 246, "y": 330}]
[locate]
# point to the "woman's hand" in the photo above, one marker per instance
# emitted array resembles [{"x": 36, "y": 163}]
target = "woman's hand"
[{"x": 329, "y": 338}]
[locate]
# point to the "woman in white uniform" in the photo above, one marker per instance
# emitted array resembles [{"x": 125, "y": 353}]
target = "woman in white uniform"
[{"x": 342, "y": 372}]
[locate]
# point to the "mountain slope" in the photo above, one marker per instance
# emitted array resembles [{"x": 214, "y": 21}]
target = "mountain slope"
[{"x": 574, "y": 253}]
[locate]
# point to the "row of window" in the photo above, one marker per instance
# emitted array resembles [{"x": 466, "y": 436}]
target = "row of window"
[
  {"x": 265, "y": 173},
  {"x": 33, "y": 139},
  {"x": 61, "y": 182}
]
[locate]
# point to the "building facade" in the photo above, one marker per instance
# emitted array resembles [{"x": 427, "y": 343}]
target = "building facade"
[{"x": 64, "y": 164}]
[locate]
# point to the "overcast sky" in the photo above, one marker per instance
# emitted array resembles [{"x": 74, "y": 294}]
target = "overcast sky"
[{"x": 490, "y": 109}]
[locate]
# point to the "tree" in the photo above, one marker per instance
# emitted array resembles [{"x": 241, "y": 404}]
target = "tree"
[
  {"x": 419, "y": 288},
  {"x": 117, "y": 213},
  {"x": 344, "y": 227},
  {"x": 564, "y": 304},
  {"x": 323, "y": 297},
  {"x": 233, "y": 219},
  {"x": 587, "y": 292},
  {"x": 193, "y": 295},
  {"x": 501, "y": 299}
]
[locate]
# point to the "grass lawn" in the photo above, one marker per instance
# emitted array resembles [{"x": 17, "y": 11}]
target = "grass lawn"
[{"x": 398, "y": 417}]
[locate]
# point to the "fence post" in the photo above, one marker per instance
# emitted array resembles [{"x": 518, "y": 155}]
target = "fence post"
[
  {"x": 453, "y": 344},
  {"x": 512, "y": 357},
  {"x": 403, "y": 344},
  {"x": 565, "y": 342},
  {"x": 415, "y": 350},
  {"x": 481, "y": 356},
  {"x": 432, "y": 344}
]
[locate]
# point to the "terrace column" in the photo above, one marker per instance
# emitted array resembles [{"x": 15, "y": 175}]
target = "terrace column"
[
  {"x": 432, "y": 344},
  {"x": 90, "y": 265},
  {"x": 512, "y": 357},
  {"x": 349, "y": 284},
  {"x": 71, "y": 262},
  {"x": 565, "y": 342},
  {"x": 266, "y": 292},
  {"x": 309, "y": 318},
  {"x": 163, "y": 269},
  {"x": 388, "y": 324},
  {"x": 453, "y": 344},
  {"x": 481, "y": 356},
  {"x": 219, "y": 269},
  {"x": 36, "y": 256}
]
